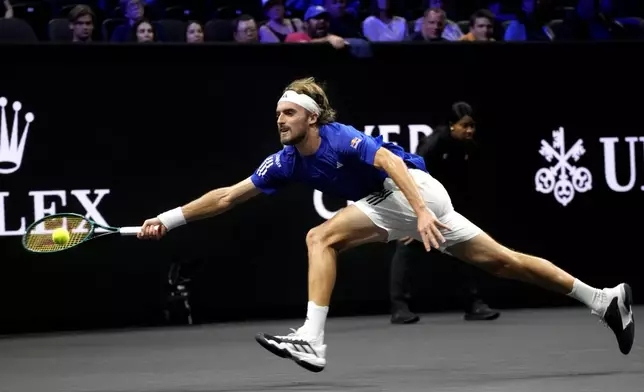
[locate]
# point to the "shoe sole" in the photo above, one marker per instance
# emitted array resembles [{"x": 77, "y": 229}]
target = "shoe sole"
[
  {"x": 286, "y": 354},
  {"x": 625, "y": 334},
  {"x": 628, "y": 302},
  {"x": 275, "y": 350}
]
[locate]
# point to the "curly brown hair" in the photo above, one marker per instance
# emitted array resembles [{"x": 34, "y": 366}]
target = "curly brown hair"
[{"x": 315, "y": 90}]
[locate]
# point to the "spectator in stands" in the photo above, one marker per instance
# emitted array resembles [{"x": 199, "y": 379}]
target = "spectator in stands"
[
  {"x": 342, "y": 23},
  {"x": 317, "y": 21},
  {"x": 194, "y": 32},
  {"x": 8, "y": 9},
  {"x": 277, "y": 27},
  {"x": 144, "y": 31},
  {"x": 134, "y": 11},
  {"x": 383, "y": 25},
  {"x": 433, "y": 26},
  {"x": 245, "y": 29},
  {"x": 81, "y": 23},
  {"x": 481, "y": 26},
  {"x": 451, "y": 32},
  {"x": 531, "y": 23}
]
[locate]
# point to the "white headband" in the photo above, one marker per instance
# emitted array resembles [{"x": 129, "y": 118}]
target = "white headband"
[{"x": 301, "y": 99}]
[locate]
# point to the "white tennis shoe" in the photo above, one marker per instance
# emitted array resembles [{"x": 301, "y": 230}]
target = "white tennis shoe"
[
  {"x": 617, "y": 314},
  {"x": 306, "y": 350}
]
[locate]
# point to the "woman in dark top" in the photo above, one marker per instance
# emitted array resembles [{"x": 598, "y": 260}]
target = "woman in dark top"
[
  {"x": 277, "y": 27},
  {"x": 448, "y": 153}
]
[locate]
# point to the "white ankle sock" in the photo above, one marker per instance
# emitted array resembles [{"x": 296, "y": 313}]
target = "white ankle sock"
[
  {"x": 316, "y": 318},
  {"x": 587, "y": 295}
]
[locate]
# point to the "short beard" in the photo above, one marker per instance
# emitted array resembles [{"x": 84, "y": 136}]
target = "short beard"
[{"x": 295, "y": 140}]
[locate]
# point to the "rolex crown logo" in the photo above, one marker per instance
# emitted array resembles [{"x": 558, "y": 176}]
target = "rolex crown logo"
[{"x": 12, "y": 145}]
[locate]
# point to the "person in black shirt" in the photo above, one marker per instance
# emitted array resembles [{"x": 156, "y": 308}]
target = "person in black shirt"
[{"x": 448, "y": 152}]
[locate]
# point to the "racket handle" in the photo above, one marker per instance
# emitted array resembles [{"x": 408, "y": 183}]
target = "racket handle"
[{"x": 130, "y": 230}]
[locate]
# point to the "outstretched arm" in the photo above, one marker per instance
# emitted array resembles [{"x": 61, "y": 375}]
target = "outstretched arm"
[
  {"x": 212, "y": 203},
  {"x": 219, "y": 200}
]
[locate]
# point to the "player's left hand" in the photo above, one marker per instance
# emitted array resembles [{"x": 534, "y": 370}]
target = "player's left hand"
[{"x": 429, "y": 229}]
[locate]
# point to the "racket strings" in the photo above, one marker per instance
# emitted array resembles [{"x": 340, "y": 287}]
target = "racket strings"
[{"x": 40, "y": 238}]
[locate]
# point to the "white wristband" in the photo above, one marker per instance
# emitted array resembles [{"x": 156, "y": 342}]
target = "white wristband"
[{"x": 173, "y": 218}]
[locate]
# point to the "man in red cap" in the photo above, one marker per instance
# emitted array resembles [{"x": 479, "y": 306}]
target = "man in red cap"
[{"x": 317, "y": 29}]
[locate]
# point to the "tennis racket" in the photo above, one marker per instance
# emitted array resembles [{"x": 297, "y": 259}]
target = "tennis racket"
[{"x": 39, "y": 235}]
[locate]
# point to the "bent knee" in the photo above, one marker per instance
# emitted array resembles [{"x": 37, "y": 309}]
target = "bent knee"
[{"x": 318, "y": 237}]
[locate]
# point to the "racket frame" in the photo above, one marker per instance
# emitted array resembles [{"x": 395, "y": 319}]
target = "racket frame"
[{"x": 93, "y": 225}]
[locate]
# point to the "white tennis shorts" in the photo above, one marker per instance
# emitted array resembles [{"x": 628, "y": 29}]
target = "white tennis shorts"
[{"x": 390, "y": 210}]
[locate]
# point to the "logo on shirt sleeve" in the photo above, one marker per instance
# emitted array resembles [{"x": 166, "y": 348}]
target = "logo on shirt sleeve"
[
  {"x": 263, "y": 168},
  {"x": 355, "y": 141}
]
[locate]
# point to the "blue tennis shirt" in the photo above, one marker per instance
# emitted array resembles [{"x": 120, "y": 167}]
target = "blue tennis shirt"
[{"x": 342, "y": 166}]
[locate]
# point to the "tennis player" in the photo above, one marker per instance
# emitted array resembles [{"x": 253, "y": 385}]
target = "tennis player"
[{"x": 394, "y": 197}]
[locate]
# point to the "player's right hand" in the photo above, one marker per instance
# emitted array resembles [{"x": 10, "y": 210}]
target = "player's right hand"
[
  {"x": 152, "y": 229},
  {"x": 429, "y": 229}
]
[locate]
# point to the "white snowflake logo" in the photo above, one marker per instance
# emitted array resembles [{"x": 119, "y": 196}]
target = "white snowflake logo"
[{"x": 562, "y": 178}]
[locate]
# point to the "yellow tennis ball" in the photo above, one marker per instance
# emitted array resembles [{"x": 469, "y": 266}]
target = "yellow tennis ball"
[{"x": 60, "y": 236}]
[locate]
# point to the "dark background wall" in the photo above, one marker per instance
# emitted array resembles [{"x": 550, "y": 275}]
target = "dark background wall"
[{"x": 158, "y": 126}]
